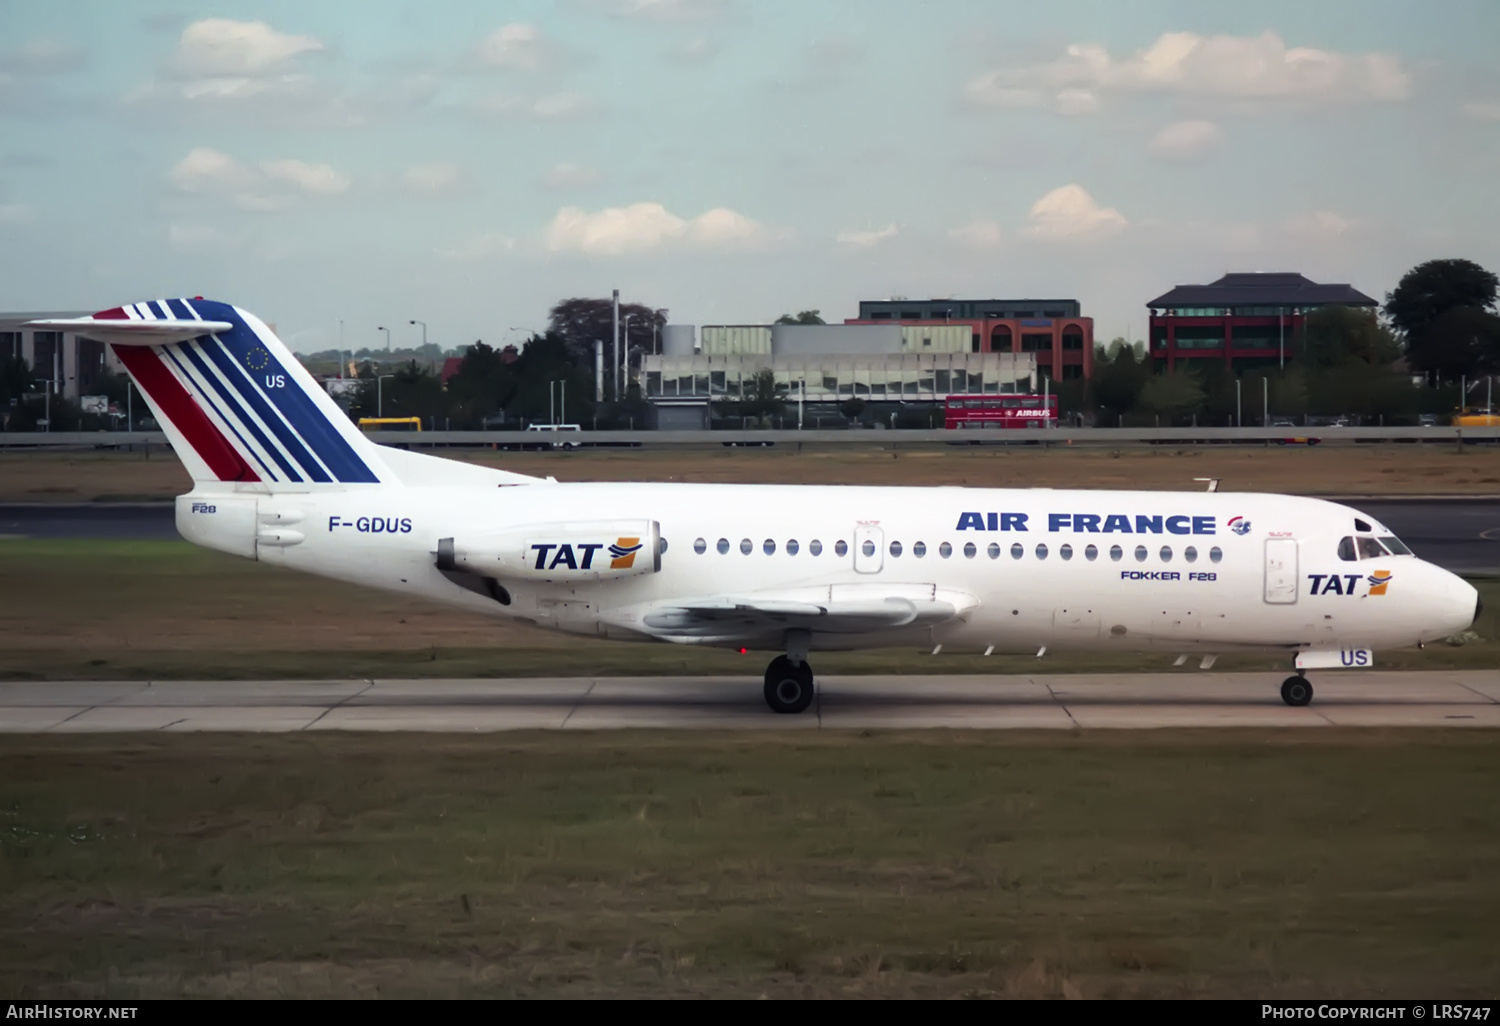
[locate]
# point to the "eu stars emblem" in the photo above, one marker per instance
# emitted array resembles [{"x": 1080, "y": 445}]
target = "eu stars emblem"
[{"x": 257, "y": 358}]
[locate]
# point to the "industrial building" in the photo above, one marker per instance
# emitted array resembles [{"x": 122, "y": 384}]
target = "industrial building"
[
  {"x": 889, "y": 366},
  {"x": 1244, "y": 320},
  {"x": 62, "y": 361},
  {"x": 1053, "y": 330}
]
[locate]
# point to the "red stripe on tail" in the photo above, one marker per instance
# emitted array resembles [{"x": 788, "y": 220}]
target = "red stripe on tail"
[{"x": 162, "y": 386}]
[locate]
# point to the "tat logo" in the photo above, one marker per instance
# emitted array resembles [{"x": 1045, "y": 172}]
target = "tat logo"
[
  {"x": 1378, "y": 581},
  {"x": 623, "y": 553},
  {"x": 1239, "y": 525}
]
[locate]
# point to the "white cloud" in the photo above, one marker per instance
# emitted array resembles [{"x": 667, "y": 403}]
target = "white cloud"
[
  {"x": 516, "y": 46},
  {"x": 866, "y": 239},
  {"x": 16, "y": 213},
  {"x": 571, "y": 176},
  {"x": 978, "y": 234},
  {"x": 1482, "y": 110},
  {"x": 435, "y": 180},
  {"x": 665, "y": 10},
  {"x": 646, "y": 227},
  {"x": 1073, "y": 102},
  {"x": 315, "y": 179},
  {"x": 1069, "y": 212},
  {"x": 224, "y": 48},
  {"x": 1185, "y": 64},
  {"x": 1186, "y": 142},
  {"x": 271, "y": 186}
]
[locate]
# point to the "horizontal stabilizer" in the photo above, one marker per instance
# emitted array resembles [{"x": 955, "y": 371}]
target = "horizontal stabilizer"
[{"x": 132, "y": 333}]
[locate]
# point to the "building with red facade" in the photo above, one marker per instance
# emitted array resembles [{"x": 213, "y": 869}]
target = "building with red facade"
[
  {"x": 1245, "y": 321},
  {"x": 1053, "y": 330}
]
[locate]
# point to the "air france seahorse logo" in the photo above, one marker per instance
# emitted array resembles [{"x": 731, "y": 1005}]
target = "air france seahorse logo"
[
  {"x": 622, "y": 553},
  {"x": 1239, "y": 525}
]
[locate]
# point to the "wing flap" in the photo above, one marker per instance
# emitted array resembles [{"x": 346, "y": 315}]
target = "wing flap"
[{"x": 726, "y": 617}]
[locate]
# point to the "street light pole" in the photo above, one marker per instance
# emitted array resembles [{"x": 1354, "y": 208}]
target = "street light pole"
[
  {"x": 624, "y": 357},
  {"x": 387, "y": 338},
  {"x": 1238, "y": 419},
  {"x": 379, "y": 393},
  {"x": 424, "y": 330}
]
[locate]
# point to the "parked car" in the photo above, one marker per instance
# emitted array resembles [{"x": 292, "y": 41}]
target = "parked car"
[{"x": 558, "y": 436}]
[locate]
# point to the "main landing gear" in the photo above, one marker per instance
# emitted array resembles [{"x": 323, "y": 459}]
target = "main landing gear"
[
  {"x": 789, "y": 688},
  {"x": 1296, "y": 691}
]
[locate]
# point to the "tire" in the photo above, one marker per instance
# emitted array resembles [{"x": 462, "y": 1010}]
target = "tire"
[
  {"x": 1296, "y": 692},
  {"x": 789, "y": 689}
]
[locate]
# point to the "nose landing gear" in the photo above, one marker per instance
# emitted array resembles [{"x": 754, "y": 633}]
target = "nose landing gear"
[{"x": 1296, "y": 691}]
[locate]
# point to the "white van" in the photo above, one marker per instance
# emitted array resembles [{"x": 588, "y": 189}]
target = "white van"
[{"x": 559, "y": 440}]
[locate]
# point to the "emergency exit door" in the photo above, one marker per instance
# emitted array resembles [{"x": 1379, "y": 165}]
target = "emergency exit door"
[
  {"x": 869, "y": 549},
  {"x": 1281, "y": 571}
]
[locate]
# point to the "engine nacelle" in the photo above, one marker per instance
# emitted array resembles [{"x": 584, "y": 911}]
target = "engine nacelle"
[{"x": 580, "y": 551}]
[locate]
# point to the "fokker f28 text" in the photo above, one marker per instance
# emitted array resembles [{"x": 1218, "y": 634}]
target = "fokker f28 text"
[{"x": 281, "y": 475}]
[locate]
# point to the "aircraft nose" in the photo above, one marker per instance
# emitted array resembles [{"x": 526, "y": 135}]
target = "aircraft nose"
[{"x": 1478, "y": 607}]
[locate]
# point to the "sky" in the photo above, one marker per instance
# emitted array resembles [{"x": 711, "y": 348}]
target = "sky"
[{"x": 341, "y": 166}]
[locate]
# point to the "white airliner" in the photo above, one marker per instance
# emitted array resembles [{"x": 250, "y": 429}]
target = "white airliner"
[{"x": 281, "y": 475}]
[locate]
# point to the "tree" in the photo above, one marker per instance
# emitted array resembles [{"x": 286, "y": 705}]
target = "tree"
[
  {"x": 1462, "y": 341},
  {"x": 760, "y": 399},
  {"x": 802, "y": 317},
  {"x": 1118, "y": 379},
  {"x": 1340, "y": 334},
  {"x": 481, "y": 388},
  {"x": 1171, "y": 396},
  {"x": 582, "y": 322},
  {"x": 546, "y": 359},
  {"x": 852, "y": 408},
  {"x": 1429, "y": 290}
]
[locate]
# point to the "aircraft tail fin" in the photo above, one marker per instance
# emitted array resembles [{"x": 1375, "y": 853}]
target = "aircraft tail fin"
[{"x": 235, "y": 403}]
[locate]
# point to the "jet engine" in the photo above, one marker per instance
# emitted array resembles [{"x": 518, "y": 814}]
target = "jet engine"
[{"x": 567, "y": 552}]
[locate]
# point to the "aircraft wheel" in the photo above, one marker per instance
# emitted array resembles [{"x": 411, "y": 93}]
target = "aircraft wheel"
[
  {"x": 789, "y": 689},
  {"x": 1296, "y": 691}
]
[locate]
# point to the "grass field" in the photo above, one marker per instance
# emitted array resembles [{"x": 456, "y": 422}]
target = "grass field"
[
  {"x": 1382, "y": 470},
  {"x": 1221, "y": 865},
  {"x": 166, "y": 610}
]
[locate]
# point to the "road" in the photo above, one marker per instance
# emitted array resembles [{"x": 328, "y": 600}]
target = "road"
[
  {"x": 1060, "y": 702},
  {"x": 1460, "y": 534}
]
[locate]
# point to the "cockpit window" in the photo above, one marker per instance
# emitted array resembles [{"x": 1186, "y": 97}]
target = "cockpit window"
[
  {"x": 1369, "y": 548},
  {"x": 1397, "y": 547},
  {"x": 1360, "y": 525},
  {"x": 1346, "y": 550}
]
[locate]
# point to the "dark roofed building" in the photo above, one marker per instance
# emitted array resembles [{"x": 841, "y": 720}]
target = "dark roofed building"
[{"x": 1246, "y": 320}]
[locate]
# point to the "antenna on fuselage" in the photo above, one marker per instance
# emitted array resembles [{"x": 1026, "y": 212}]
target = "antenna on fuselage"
[{"x": 1213, "y": 482}]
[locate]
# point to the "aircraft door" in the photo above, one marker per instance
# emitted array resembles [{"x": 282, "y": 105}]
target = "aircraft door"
[
  {"x": 869, "y": 549},
  {"x": 1281, "y": 571}
]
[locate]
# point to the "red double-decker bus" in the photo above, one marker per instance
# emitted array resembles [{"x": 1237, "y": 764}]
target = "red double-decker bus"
[{"x": 1002, "y": 411}]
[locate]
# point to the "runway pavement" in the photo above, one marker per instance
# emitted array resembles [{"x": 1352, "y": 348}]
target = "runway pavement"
[
  {"x": 1462, "y": 535},
  {"x": 1060, "y": 702}
]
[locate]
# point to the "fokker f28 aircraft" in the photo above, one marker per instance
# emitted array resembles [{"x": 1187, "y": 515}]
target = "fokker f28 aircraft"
[{"x": 281, "y": 475}]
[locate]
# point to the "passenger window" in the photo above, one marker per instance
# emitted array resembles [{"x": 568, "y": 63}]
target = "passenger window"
[
  {"x": 1190, "y": 554},
  {"x": 1065, "y": 551},
  {"x": 919, "y": 549},
  {"x": 815, "y": 547},
  {"x": 746, "y": 546},
  {"x": 970, "y": 550},
  {"x": 1369, "y": 548},
  {"x": 700, "y": 546},
  {"x": 1215, "y": 554},
  {"x": 868, "y": 548},
  {"x": 895, "y": 549},
  {"x": 769, "y": 547},
  {"x": 791, "y": 546},
  {"x": 945, "y": 550},
  {"x": 1166, "y": 553},
  {"x": 1016, "y": 551},
  {"x": 723, "y": 546},
  {"x": 993, "y": 550},
  {"x": 1041, "y": 550},
  {"x": 1091, "y": 552},
  {"x": 1346, "y": 550},
  {"x": 1141, "y": 553},
  {"x": 841, "y": 547},
  {"x": 1116, "y": 553},
  {"x": 1395, "y": 545}
]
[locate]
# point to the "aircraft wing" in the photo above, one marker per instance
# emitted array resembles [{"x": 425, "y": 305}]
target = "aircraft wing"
[{"x": 839, "y": 609}]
